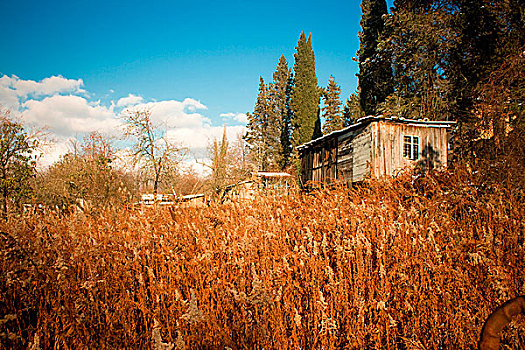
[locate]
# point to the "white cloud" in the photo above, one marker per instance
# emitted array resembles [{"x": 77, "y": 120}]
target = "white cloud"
[
  {"x": 65, "y": 110},
  {"x": 189, "y": 129},
  {"x": 198, "y": 166},
  {"x": 240, "y": 117},
  {"x": 124, "y": 160},
  {"x": 129, "y": 101},
  {"x": 8, "y": 96},
  {"x": 176, "y": 114},
  {"x": 47, "y": 86},
  {"x": 200, "y": 138},
  {"x": 52, "y": 153},
  {"x": 12, "y": 89},
  {"x": 67, "y": 116}
]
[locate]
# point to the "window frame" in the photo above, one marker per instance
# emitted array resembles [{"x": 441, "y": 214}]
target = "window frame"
[{"x": 411, "y": 147}]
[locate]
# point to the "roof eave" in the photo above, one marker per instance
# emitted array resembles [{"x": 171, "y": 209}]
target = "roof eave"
[{"x": 368, "y": 119}]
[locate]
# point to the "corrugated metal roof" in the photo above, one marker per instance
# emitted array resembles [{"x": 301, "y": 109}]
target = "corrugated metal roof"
[{"x": 371, "y": 118}]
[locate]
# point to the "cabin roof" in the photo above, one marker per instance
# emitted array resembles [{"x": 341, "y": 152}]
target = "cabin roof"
[
  {"x": 192, "y": 196},
  {"x": 371, "y": 118},
  {"x": 268, "y": 174}
]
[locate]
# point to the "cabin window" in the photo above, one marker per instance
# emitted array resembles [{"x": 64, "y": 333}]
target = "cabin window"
[{"x": 411, "y": 147}]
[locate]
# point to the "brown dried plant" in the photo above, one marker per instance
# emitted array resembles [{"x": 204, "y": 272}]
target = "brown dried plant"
[{"x": 409, "y": 263}]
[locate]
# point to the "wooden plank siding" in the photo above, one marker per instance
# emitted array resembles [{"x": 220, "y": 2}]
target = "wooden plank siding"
[
  {"x": 373, "y": 147},
  {"x": 320, "y": 164},
  {"x": 362, "y": 154},
  {"x": 388, "y": 139}
]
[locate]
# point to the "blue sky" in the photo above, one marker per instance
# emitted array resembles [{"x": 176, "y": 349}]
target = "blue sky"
[{"x": 210, "y": 53}]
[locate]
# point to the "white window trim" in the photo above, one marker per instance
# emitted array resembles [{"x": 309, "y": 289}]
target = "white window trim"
[{"x": 412, "y": 142}]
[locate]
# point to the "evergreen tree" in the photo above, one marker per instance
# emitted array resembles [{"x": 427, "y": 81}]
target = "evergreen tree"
[
  {"x": 470, "y": 62},
  {"x": 352, "y": 110},
  {"x": 272, "y": 131},
  {"x": 280, "y": 114},
  {"x": 305, "y": 94},
  {"x": 286, "y": 135},
  {"x": 256, "y": 135},
  {"x": 420, "y": 38},
  {"x": 375, "y": 72},
  {"x": 492, "y": 39},
  {"x": 448, "y": 58},
  {"x": 317, "y": 126},
  {"x": 332, "y": 107}
]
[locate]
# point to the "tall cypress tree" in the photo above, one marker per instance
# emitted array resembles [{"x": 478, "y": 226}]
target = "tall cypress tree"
[
  {"x": 256, "y": 134},
  {"x": 332, "y": 107},
  {"x": 375, "y": 72},
  {"x": 280, "y": 119},
  {"x": 305, "y": 94}
]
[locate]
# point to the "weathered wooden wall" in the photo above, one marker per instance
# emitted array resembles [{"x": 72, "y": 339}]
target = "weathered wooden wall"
[
  {"x": 372, "y": 149},
  {"x": 320, "y": 162},
  {"x": 343, "y": 158},
  {"x": 387, "y": 147},
  {"x": 354, "y": 155}
]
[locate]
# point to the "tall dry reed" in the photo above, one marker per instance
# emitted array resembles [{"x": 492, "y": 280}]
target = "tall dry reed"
[{"x": 411, "y": 263}]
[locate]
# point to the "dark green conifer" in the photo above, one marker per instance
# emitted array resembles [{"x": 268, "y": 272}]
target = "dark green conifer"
[
  {"x": 375, "y": 72},
  {"x": 280, "y": 114},
  {"x": 332, "y": 107},
  {"x": 256, "y": 135},
  {"x": 305, "y": 94},
  {"x": 352, "y": 110}
]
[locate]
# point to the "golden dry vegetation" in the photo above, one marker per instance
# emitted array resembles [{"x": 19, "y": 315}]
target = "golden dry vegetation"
[{"x": 412, "y": 263}]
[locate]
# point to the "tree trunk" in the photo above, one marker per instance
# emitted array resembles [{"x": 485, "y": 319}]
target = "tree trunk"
[
  {"x": 4, "y": 203},
  {"x": 155, "y": 187},
  {"x": 4, "y": 194}
]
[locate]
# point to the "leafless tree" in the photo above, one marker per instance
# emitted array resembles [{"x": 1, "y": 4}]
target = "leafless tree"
[{"x": 152, "y": 151}]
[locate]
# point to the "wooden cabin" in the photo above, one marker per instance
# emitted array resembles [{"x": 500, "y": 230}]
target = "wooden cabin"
[
  {"x": 261, "y": 182},
  {"x": 375, "y": 146},
  {"x": 190, "y": 200}
]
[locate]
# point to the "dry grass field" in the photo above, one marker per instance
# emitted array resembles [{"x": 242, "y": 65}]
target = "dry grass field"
[{"x": 412, "y": 263}]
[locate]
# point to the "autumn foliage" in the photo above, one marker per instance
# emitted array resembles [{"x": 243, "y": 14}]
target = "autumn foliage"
[{"x": 410, "y": 263}]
